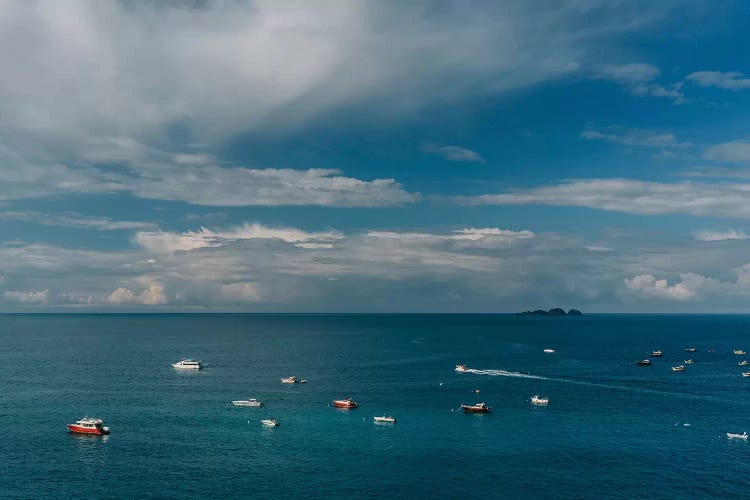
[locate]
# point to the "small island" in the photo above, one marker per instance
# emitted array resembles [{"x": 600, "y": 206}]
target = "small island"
[{"x": 556, "y": 311}]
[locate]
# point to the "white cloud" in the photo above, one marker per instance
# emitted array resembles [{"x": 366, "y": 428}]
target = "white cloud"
[
  {"x": 729, "y": 234},
  {"x": 730, "y": 80},
  {"x": 241, "y": 292},
  {"x": 215, "y": 70},
  {"x": 27, "y": 297},
  {"x": 687, "y": 289},
  {"x": 637, "y": 137},
  {"x": 452, "y": 153},
  {"x": 152, "y": 295},
  {"x": 638, "y": 79},
  {"x": 730, "y": 152},
  {"x": 166, "y": 242},
  {"x": 73, "y": 219},
  {"x": 632, "y": 196}
]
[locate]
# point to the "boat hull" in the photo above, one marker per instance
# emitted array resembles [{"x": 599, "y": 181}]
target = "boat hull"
[{"x": 88, "y": 430}]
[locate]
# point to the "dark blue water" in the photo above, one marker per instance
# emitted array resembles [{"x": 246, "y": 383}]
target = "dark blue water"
[{"x": 611, "y": 429}]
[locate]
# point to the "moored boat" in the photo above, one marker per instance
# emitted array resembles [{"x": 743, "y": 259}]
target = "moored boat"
[
  {"x": 293, "y": 380},
  {"x": 732, "y": 435},
  {"x": 739, "y": 352},
  {"x": 643, "y": 362},
  {"x": 270, "y": 422},
  {"x": 539, "y": 400},
  {"x": 690, "y": 349},
  {"x": 746, "y": 374},
  {"x": 477, "y": 408},
  {"x": 248, "y": 402},
  {"x": 384, "y": 420},
  {"x": 346, "y": 404},
  {"x": 689, "y": 361},
  {"x": 89, "y": 426},
  {"x": 462, "y": 368},
  {"x": 549, "y": 351},
  {"x": 680, "y": 368},
  {"x": 188, "y": 364},
  {"x": 742, "y": 363},
  {"x": 656, "y": 354}
]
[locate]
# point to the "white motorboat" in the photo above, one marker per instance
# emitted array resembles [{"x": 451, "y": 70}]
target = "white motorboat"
[
  {"x": 656, "y": 354},
  {"x": 248, "y": 402},
  {"x": 739, "y": 352},
  {"x": 539, "y": 400},
  {"x": 270, "y": 422},
  {"x": 188, "y": 364},
  {"x": 462, "y": 368},
  {"x": 742, "y": 363},
  {"x": 680, "y": 368},
  {"x": 293, "y": 380},
  {"x": 690, "y": 349},
  {"x": 731, "y": 435},
  {"x": 549, "y": 351},
  {"x": 689, "y": 361},
  {"x": 384, "y": 420},
  {"x": 746, "y": 374}
]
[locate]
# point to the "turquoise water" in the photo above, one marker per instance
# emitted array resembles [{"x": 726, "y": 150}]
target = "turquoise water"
[{"x": 611, "y": 429}]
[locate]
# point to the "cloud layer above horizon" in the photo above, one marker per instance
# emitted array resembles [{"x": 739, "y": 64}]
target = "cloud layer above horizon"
[{"x": 372, "y": 156}]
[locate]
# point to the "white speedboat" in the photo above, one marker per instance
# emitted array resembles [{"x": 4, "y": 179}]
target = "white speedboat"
[
  {"x": 384, "y": 420},
  {"x": 731, "y": 435},
  {"x": 462, "y": 368},
  {"x": 293, "y": 380},
  {"x": 739, "y": 352},
  {"x": 549, "y": 351},
  {"x": 746, "y": 374},
  {"x": 742, "y": 363},
  {"x": 656, "y": 354},
  {"x": 539, "y": 400},
  {"x": 188, "y": 364},
  {"x": 270, "y": 422},
  {"x": 680, "y": 368},
  {"x": 248, "y": 402},
  {"x": 689, "y": 361}
]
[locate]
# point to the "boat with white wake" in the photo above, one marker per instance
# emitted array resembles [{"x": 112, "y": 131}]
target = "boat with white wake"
[
  {"x": 731, "y": 435},
  {"x": 462, "y": 368}
]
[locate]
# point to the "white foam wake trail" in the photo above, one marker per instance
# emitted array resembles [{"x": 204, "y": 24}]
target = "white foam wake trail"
[{"x": 505, "y": 373}]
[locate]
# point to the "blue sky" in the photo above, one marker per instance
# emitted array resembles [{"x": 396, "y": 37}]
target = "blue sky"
[{"x": 374, "y": 156}]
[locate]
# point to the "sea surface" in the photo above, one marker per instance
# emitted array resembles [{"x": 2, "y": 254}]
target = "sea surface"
[{"x": 612, "y": 429}]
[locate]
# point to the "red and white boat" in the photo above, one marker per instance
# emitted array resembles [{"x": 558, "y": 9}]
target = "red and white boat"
[
  {"x": 477, "y": 408},
  {"x": 347, "y": 404},
  {"x": 462, "y": 368},
  {"x": 89, "y": 426}
]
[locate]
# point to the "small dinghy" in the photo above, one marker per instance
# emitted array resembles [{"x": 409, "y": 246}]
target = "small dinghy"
[
  {"x": 731, "y": 435},
  {"x": 539, "y": 400},
  {"x": 270, "y": 422},
  {"x": 384, "y": 420}
]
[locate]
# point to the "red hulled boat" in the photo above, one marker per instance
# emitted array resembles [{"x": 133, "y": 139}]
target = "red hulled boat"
[
  {"x": 477, "y": 408},
  {"x": 347, "y": 404},
  {"x": 89, "y": 426}
]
